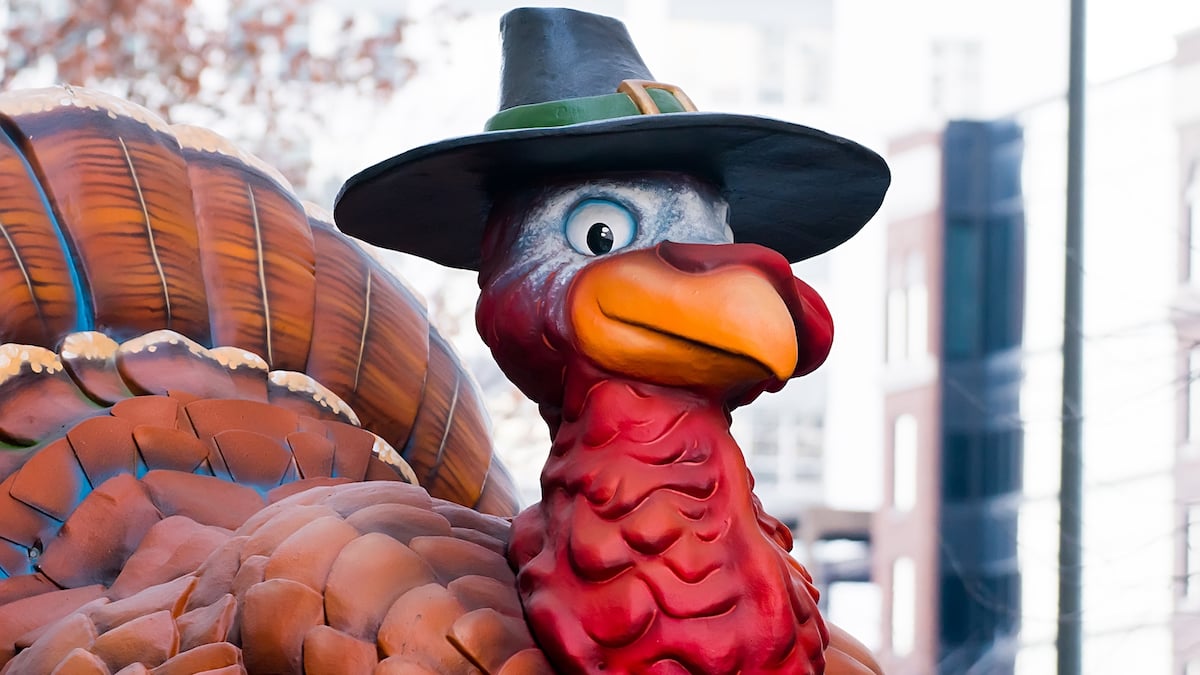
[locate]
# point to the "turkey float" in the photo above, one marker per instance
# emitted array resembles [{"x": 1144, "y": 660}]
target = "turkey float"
[{"x": 232, "y": 442}]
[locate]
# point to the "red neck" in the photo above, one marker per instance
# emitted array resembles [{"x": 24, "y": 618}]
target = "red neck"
[{"x": 649, "y": 552}]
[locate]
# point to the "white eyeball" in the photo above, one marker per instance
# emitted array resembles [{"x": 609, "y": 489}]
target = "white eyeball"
[{"x": 599, "y": 226}]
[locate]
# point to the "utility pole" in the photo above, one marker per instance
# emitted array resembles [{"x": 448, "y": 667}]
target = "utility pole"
[{"x": 1070, "y": 587}]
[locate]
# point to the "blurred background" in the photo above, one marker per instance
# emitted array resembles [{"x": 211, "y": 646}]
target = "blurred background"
[{"x": 918, "y": 468}]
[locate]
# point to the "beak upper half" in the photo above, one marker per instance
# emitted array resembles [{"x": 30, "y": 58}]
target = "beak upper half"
[{"x": 713, "y": 316}]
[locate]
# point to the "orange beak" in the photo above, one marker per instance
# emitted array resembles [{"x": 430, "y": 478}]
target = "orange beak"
[{"x": 688, "y": 315}]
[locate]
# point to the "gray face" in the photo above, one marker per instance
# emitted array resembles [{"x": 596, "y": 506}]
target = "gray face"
[
  {"x": 571, "y": 224},
  {"x": 543, "y": 237}
]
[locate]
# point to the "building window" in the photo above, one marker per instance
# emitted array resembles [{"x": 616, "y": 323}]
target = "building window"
[
  {"x": 918, "y": 306},
  {"x": 1192, "y": 213},
  {"x": 897, "y": 327},
  {"x": 1193, "y": 395},
  {"x": 1191, "y": 555},
  {"x": 904, "y": 462},
  {"x": 764, "y": 448},
  {"x": 956, "y": 76},
  {"x": 908, "y": 311},
  {"x": 805, "y": 462},
  {"x": 773, "y": 76},
  {"x": 814, "y": 74},
  {"x": 855, "y": 607},
  {"x": 904, "y": 606},
  {"x": 781, "y": 446}
]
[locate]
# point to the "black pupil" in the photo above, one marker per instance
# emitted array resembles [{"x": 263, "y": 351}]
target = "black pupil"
[{"x": 600, "y": 239}]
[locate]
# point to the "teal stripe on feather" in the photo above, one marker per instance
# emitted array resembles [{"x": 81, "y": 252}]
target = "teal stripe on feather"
[{"x": 84, "y": 315}]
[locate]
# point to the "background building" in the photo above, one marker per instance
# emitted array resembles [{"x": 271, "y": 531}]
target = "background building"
[
  {"x": 1186, "y": 310},
  {"x": 947, "y": 531},
  {"x": 978, "y": 431}
]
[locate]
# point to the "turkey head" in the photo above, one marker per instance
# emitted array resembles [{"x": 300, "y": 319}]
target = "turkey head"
[
  {"x": 622, "y": 306},
  {"x": 638, "y": 277}
]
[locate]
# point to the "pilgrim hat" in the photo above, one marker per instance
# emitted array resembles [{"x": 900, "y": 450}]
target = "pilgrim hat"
[{"x": 576, "y": 99}]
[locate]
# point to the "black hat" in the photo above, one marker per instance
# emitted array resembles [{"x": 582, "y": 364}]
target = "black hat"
[{"x": 576, "y": 99}]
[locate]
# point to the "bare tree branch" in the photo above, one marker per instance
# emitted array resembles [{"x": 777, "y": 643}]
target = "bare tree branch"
[{"x": 200, "y": 61}]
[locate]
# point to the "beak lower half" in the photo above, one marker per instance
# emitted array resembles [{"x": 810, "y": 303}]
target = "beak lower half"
[{"x": 691, "y": 315}]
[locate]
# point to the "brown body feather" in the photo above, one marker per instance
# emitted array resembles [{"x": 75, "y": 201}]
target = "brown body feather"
[
  {"x": 220, "y": 515},
  {"x": 116, "y": 221}
]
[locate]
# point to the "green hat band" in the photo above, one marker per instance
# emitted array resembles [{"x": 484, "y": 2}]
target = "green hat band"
[{"x": 576, "y": 110}]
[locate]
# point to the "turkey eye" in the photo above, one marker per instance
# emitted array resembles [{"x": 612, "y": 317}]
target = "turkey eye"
[
  {"x": 599, "y": 226},
  {"x": 600, "y": 238}
]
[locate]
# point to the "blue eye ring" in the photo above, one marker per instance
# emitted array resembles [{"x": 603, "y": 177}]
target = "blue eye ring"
[{"x": 600, "y": 226}]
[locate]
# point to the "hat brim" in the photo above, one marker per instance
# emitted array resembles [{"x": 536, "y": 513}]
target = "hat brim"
[{"x": 792, "y": 188}]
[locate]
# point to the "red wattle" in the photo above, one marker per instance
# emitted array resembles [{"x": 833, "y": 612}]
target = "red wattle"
[{"x": 649, "y": 554}]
